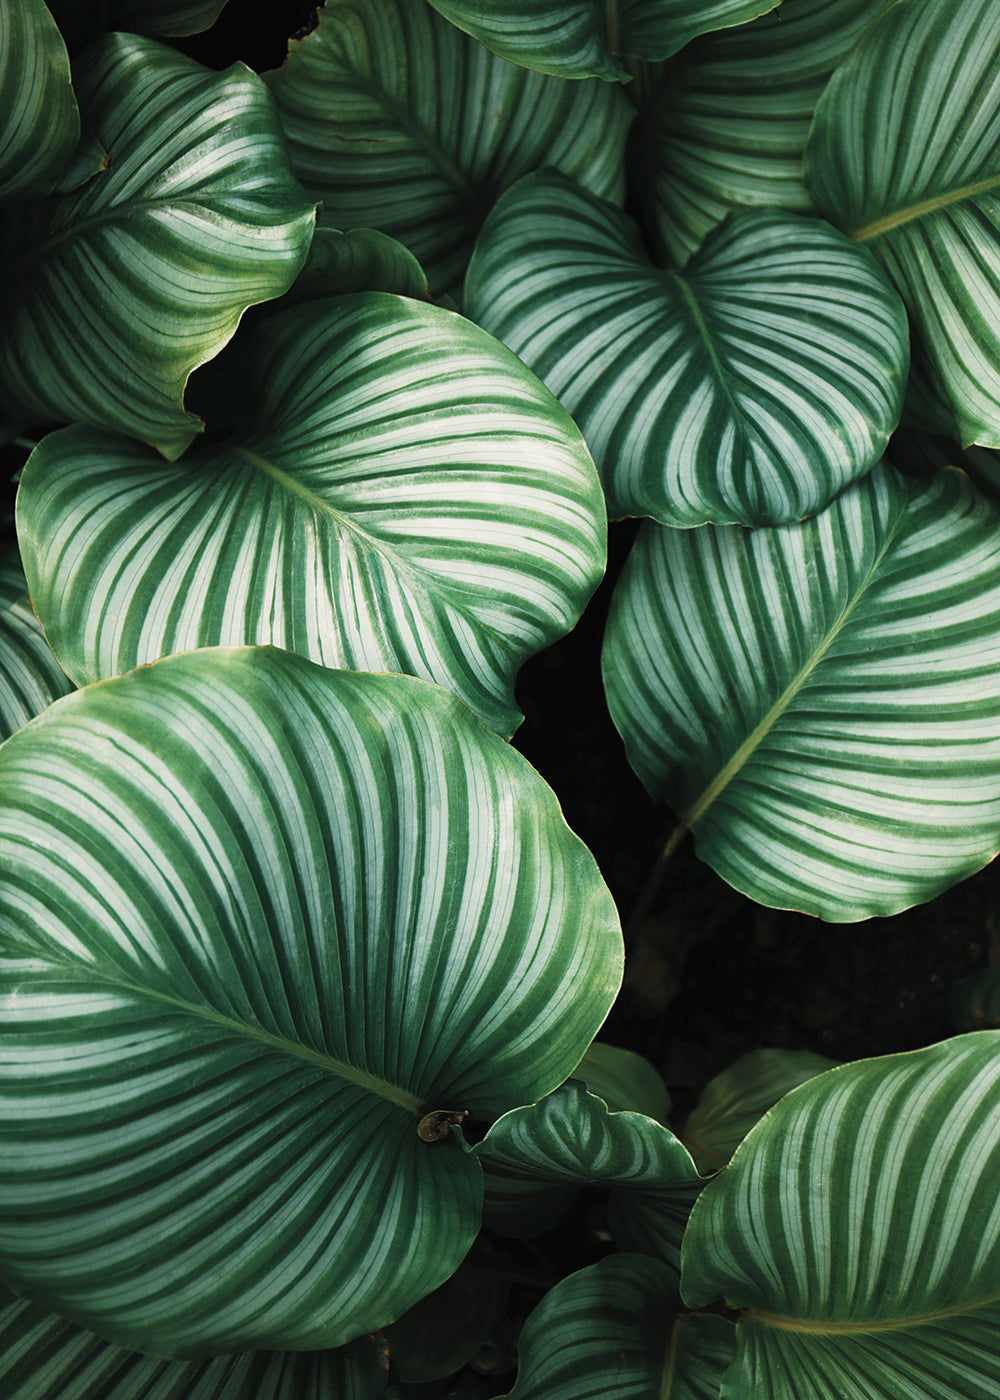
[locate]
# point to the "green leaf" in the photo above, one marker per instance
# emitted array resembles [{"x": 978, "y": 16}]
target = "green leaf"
[
  {"x": 751, "y": 388},
  {"x": 115, "y": 292},
  {"x": 85, "y": 20},
  {"x": 39, "y": 120},
  {"x": 976, "y": 1001},
  {"x": 398, "y": 121},
  {"x": 444, "y": 1331},
  {"x": 911, "y": 169},
  {"x": 30, "y": 676},
  {"x": 363, "y": 260},
  {"x": 537, "y": 1158},
  {"x": 45, "y": 1357},
  {"x": 821, "y": 701},
  {"x": 857, "y": 1226},
  {"x": 624, "y": 1080},
  {"x": 581, "y": 39},
  {"x": 728, "y": 124},
  {"x": 259, "y": 919},
  {"x": 613, "y": 1329},
  {"x": 735, "y": 1099},
  {"x": 407, "y": 498}
]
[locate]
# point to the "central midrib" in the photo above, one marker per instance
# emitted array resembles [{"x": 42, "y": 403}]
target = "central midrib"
[
  {"x": 927, "y": 206},
  {"x": 864, "y": 1327}
]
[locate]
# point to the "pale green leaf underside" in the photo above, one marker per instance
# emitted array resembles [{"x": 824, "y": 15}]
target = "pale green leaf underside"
[
  {"x": 885, "y": 1283},
  {"x": 44, "y": 1357},
  {"x": 114, "y": 292},
  {"x": 612, "y": 1329},
  {"x": 30, "y": 676},
  {"x": 911, "y": 168},
  {"x": 537, "y": 1158},
  {"x": 730, "y": 123},
  {"x": 39, "y": 120},
  {"x": 751, "y": 388},
  {"x": 408, "y": 497},
  {"x": 583, "y": 39},
  {"x": 821, "y": 701},
  {"x": 398, "y": 121},
  {"x": 257, "y": 917}
]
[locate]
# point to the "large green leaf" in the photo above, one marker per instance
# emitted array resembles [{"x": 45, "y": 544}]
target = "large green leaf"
[
  {"x": 821, "y": 702},
  {"x": 30, "y": 676},
  {"x": 857, "y": 1227},
  {"x": 259, "y": 920},
  {"x": 45, "y": 1357},
  {"x": 406, "y": 497},
  {"x": 750, "y": 388},
  {"x": 398, "y": 121},
  {"x": 729, "y": 122},
  {"x": 911, "y": 168},
  {"x": 113, "y": 293},
  {"x": 614, "y": 1329},
  {"x": 581, "y": 39},
  {"x": 39, "y": 120}
]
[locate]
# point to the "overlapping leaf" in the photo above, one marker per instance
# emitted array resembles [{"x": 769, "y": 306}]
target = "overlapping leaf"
[
  {"x": 113, "y": 293},
  {"x": 241, "y": 960},
  {"x": 624, "y": 1080},
  {"x": 30, "y": 676},
  {"x": 39, "y": 120},
  {"x": 750, "y": 388},
  {"x": 857, "y": 1226},
  {"x": 729, "y": 124},
  {"x": 821, "y": 702},
  {"x": 911, "y": 169},
  {"x": 613, "y": 1329},
  {"x": 86, "y": 20},
  {"x": 398, "y": 121},
  {"x": 409, "y": 498},
  {"x": 579, "y": 39},
  {"x": 362, "y": 260}
]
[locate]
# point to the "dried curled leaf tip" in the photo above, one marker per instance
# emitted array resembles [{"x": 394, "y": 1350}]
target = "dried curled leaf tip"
[{"x": 435, "y": 1126}]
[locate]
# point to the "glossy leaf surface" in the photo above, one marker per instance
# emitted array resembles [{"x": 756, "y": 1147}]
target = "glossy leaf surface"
[
  {"x": 398, "y": 121},
  {"x": 30, "y": 676},
  {"x": 114, "y": 292},
  {"x": 820, "y": 702},
  {"x": 885, "y": 1282},
  {"x": 612, "y": 1329},
  {"x": 751, "y": 388},
  {"x": 911, "y": 169},
  {"x": 406, "y": 497},
  {"x": 39, "y": 120},
  {"x": 258, "y": 919}
]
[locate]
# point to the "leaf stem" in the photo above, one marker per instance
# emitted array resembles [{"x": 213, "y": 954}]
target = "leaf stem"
[{"x": 654, "y": 880}]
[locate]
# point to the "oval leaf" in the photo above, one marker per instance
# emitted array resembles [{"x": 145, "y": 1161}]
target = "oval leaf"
[
  {"x": 258, "y": 919},
  {"x": 39, "y": 119},
  {"x": 822, "y": 701},
  {"x": 393, "y": 118},
  {"x": 115, "y": 292},
  {"x": 751, "y": 388},
  {"x": 409, "y": 498},
  {"x": 857, "y": 1225},
  {"x": 911, "y": 169}
]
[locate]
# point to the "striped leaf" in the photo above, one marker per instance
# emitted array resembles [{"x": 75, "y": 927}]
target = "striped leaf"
[
  {"x": 857, "y": 1228},
  {"x": 44, "y": 1357},
  {"x": 579, "y": 39},
  {"x": 821, "y": 702},
  {"x": 30, "y": 676},
  {"x": 613, "y": 1329},
  {"x": 362, "y": 260},
  {"x": 735, "y": 1099},
  {"x": 536, "y": 1159},
  {"x": 39, "y": 120},
  {"x": 911, "y": 169},
  {"x": 751, "y": 388},
  {"x": 728, "y": 126},
  {"x": 407, "y": 498},
  {"x": 398, "y": 121},
  {"x": 85, "y": 20},
  {"x": 114, "y": 292},
  {"x": 266, "y": 929}
]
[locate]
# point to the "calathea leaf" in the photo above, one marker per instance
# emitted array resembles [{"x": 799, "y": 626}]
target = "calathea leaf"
[
  {"x": 30, "y": 676},
  {"x": 85, "y": 20},
  {"x": 362, "y": 260},
  {"x": 751, "y": 388},
  {"x": 39, "y": 119},
  {"x": 624, "y": 1080},
  {"x": 45, "y": 1357},
  {"x": 408, "y": 498},
  {"x": 114, "y": 292},
  {"x": 911, "y": 169},
  {"x": 856, "y": 1229},
  {"x": 820, "y": 702},
  {"x": 614, "y": 1329},
  {"x": 398, "y": 121},
  {"x": 266, "y": 930}
]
